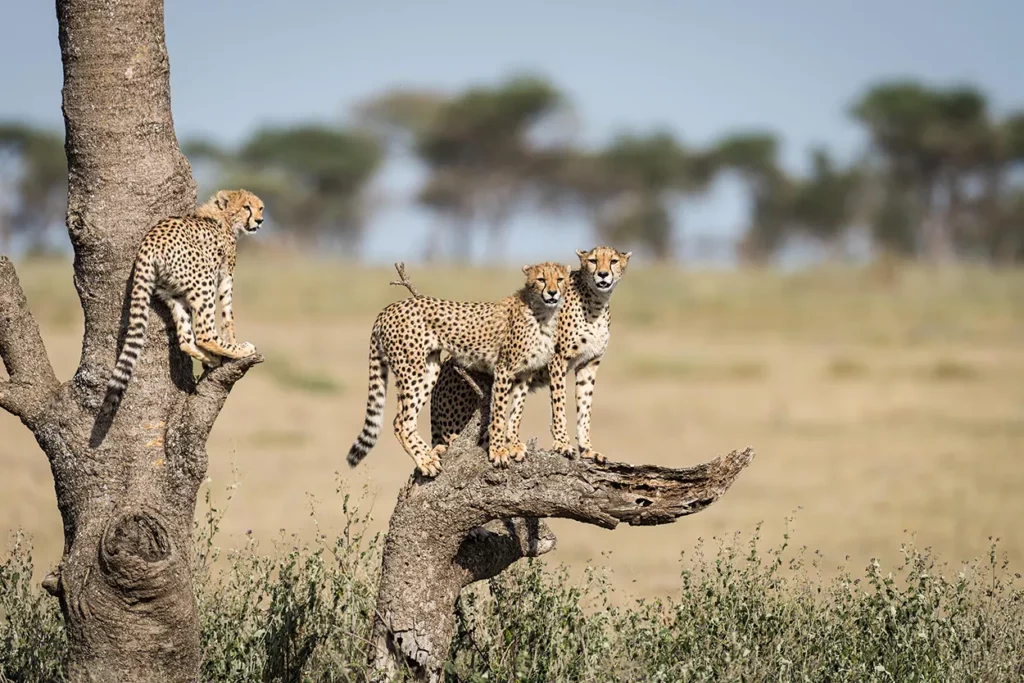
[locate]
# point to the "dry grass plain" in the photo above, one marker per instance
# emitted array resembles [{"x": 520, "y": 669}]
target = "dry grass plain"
[{"x": 880, "y": 401}]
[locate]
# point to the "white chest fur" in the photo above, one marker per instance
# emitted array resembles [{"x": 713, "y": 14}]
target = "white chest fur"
[{"x": 544, "y": 335}]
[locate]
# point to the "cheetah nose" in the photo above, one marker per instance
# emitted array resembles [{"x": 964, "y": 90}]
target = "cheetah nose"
[
  {"x": 259, "y": 221},
  {"x": 552, "y": 293},
  {"x": 603, "y": 273}
]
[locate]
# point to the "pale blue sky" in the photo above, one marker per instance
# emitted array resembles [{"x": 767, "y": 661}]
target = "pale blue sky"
[{"x": 698, "y": 68}]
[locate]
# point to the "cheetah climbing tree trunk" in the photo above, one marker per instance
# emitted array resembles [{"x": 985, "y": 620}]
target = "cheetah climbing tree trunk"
[
  {"x": 473, "y": 521},
  {"x": 126, "y": 489}
]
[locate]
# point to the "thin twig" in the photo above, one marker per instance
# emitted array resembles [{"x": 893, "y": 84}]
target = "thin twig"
[
  {"x": 404, "y": 279},
  {"x": 472, "y": 383}
]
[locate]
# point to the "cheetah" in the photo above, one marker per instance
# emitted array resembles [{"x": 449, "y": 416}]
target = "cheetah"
[
  {"x": 581, "y": 341},
  {"x": 509, "y": 339},
  {"x": 188, "y": 262}
]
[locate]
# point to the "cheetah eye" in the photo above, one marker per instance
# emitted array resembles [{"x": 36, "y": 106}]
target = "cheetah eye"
[
  {"x": 561, "y": 280},
  {"x": 593, "y": 260},
  {"x": 614, "y": 261}
]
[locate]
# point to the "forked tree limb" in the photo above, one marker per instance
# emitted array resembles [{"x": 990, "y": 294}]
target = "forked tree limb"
[
  {"x": 32, "y": 384},
  {"x": 434, "y": 546},
  {"x": 403, "y": 280}
]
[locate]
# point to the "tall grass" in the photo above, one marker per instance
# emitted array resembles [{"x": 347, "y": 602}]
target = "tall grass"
[{"x": 303, "y": 612}]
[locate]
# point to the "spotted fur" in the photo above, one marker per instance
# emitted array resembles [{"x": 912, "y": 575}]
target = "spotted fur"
[
  {"x": 509, "y": 339},
  {"x": 582, "y": 339},
  {"x": 188, "y": 262}
]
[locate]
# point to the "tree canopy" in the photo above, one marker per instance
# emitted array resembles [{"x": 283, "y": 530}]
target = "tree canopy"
[{"x": 936, "y": 180}]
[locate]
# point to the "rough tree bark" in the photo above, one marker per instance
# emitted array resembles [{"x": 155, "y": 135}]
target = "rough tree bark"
[
  {"x": 472, "y": 521},
  {"x": 126, "y": 490}
]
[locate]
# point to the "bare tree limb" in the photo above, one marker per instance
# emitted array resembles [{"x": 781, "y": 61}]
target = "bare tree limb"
[
  {"x": 435, "y": 547},
  {"x": 205, "y": 404},
  {"x": 403, "y": 280},
  {"x": 32, "y": 382}
]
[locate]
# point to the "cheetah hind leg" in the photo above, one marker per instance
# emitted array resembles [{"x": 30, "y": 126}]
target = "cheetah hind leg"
[
  {"x": 206, "y": 331},
  {"x": 414, "y": 382},
  {"x": 186, "y": 337}
]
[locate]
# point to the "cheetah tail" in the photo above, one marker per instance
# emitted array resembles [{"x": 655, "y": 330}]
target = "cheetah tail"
[
  {"x": 143, "y": 285},
  {"x": 374, "y": 406}
]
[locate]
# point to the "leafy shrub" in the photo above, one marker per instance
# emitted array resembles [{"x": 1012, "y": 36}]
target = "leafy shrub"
[{"x": 304, "y": 613}]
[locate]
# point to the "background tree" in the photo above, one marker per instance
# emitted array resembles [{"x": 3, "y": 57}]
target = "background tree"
[
  {"x": 314, "y": 177},
  {"x": 824, "y": 205},
  {"x": 33, "y": 166},
  {"x": 752, "y": 156},
  {"x": 126, "y": 490},
  {"x": 630, "y": 191},
  {"x": 479, "y": 149}
]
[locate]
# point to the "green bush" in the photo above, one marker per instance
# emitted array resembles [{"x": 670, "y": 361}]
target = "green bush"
[{"x": 303, "y": 612}]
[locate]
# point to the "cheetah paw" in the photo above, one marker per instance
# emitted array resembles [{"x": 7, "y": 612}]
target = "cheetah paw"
[
  {"x": 246, "y": 349},
  {"x": 429, "y": 467},
  {"x": 195, "y": 352},
  {"x": 563, "y": 448},
  {"x": 499, "y": 456},
  {"x": 434, "y": 456},
  {"x": 591, "y": 454},
  {"x": 518, "y": 451}
]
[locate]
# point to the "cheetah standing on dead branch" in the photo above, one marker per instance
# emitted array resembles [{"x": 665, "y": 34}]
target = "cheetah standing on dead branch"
[
  {"x": 582, "y": 339},
  {"x": 509, "y": 339},
  {"x": 188, "y": 262}
]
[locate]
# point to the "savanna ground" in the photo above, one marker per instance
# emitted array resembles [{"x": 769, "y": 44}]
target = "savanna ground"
[{"x": 880, "y": 401}]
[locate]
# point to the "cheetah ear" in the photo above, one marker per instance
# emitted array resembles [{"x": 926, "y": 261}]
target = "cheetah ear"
[
  {"x": 222, "y": 199},
  {"x": 627, "y": 255},
  {"x": 582, "y": 254},
  {"x": 526, "y": 270}
]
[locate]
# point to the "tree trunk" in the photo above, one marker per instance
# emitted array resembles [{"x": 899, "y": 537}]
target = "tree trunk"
[
  {"x": 472, "y": 521},
  {"x": 126, "y": 489}
]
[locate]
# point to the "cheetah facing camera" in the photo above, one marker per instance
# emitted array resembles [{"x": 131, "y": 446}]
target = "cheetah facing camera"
[
  {"x": 583, "y": 332},
  {"x": 188, "y": 262},
  {"x": 509, "y": 339}
]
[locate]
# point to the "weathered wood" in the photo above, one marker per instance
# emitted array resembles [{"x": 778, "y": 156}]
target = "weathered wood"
[{"x": 435, "y": 545}]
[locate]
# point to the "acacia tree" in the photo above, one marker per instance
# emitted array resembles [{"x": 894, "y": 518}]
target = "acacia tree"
[
  {"x": 313, "y": 176},
  {"x": 126, "y": 490},
  {"x": 38, "y": 182}
]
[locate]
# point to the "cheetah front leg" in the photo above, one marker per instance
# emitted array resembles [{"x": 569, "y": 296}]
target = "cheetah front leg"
[
  {"x": 204, "y": 307},
  {"x": 516, "y": 448},
  {"x": 227, "y": 315},
  {"x": 558, "y": 369},
  {"x": 586, "y": 379},
  {"x": 497, "y": 432}
]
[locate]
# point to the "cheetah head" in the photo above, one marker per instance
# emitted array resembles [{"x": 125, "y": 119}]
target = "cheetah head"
[
  {"x": 240, "y": 209},
  {"x": 547, "y": 281},
  {"x": 604, "y": 267}
]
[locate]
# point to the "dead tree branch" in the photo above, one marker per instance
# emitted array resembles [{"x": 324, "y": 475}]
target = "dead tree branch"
[
  {"x": 403, "y": 280},
  {"x": 205, "y": 404},
  {"x": 434, "y": 546},
  {"x": 32, "y": 383}
]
